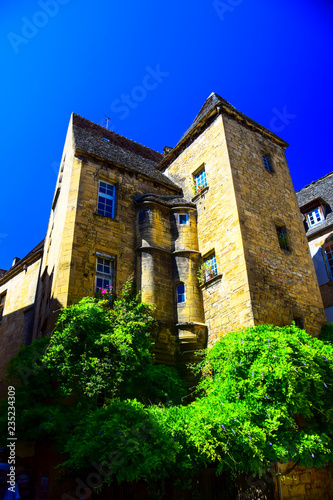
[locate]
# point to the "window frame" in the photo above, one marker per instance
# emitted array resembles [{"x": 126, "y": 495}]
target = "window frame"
[
  {"x": 101, "y": 275},
  {"x": 321, "y": 213},
  {"x": 186, "y": 223},
  {"x": 101, "y": 197},
  {"x": 283, "y": 237},
  {"x": 2, "y": 304},
  {"x": 211, "y": 257},
  {"x": 181, "y": 284},
  {"x": 327, "y": 260},
  {"x": 267, "y": 162},
  {"x": 200, "y": 185}
]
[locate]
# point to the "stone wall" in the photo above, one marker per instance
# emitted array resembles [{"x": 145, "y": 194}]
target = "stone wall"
[
  {"x": 283, "y": 279},
  {"x": 226, "y": 301},
  {"x": 17, "y": 321},
  {"x": 305, "y": 484}
]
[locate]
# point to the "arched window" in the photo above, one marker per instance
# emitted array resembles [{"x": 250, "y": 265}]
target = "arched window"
[{"x": 180, "y": 293}]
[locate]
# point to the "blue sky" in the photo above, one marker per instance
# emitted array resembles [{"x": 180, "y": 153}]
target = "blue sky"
[{"x": 271, "y": 59}]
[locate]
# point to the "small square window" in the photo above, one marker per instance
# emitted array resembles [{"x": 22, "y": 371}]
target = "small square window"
[
  {"x": 283, "y": 237},
  {"x": 267, "y": 163},
  {"x": 180, "y": 293},
  {"x": 106, "y": 199},
  {"x": 183, "y": 219},
  {"x": 200, "y": 181},
  {"x": 315, "y": 216}
]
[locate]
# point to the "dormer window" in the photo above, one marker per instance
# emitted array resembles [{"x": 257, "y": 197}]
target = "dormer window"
[{"x": 315, "y": 216}]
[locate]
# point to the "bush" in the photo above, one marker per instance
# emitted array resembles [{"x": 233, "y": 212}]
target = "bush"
[
  {"x": 265, "y": 395},
  {"x": 326, "y": 334}
]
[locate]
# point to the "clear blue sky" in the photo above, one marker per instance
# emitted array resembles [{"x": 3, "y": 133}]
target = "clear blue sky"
[{"x": 269, "y": 58}]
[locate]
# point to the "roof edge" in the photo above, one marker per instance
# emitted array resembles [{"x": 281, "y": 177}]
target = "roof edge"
[
  {"x": 30, "y": 257},
  {"x": 172, "y": 185},
  {"x": 221, "y": 106}
]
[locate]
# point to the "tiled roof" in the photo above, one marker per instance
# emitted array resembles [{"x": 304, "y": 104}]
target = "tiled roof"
[{"x": 107, "y": 145}]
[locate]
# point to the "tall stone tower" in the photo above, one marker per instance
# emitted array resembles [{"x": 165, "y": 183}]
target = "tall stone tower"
[{"x": 248, "y": 222}]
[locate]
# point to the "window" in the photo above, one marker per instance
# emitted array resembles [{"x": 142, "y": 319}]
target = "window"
[
  {"x": 106, "y": 199},
  {"x": 104, "y": 274},
  {"x": 329, "y": 259},
  {"x": 180, "y": 293},
  {"x": 267, "y": 163},
  {"x": 200, "y": 180},
  {"x": 183, "y": 219},
  {"x": 283, "y": 237},
  {"x": 315, "y": 216},
  {"x": 143, "y": 215},
  {"x": 208, "y": 269},
  {"x": 299, "y": 322},
  {"x": 2, "y": 304}
]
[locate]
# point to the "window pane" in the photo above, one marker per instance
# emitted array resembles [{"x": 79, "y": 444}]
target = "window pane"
[
  {"x": 200, "y": 179},
  {"x": 183, "y": 218},
  {"x": 266, "y": 163},
  {"x": 105, "y": 206},
  {"x": 211, "y": 264},
  {"x": 181, "y": 293}
]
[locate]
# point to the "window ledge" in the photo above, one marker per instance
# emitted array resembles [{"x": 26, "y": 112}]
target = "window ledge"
[
  {"x": 95, "y": 214},
  {"x": 285, "y": 251},
  {"x": 211, "y": 282},
  {"x": 197, "y": 196}
]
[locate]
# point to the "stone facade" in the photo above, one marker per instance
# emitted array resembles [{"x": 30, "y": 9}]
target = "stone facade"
[
  {"x": 18, "y": 289},
  {"x": 304, "y": 484},
  {"x": 238, "y": 216},
  {"x": 221, "y": 197},
  {"x": 316, "y": 202}
]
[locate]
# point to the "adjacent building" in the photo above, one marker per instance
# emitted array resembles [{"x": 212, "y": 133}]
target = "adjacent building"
[
  {"x": 211, "y": 229},
  {"x": 316, "y": 202}
]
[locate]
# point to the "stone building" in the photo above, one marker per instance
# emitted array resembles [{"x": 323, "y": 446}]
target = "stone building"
[
  {"x": 220, "y": 204},
  {"x": 316, "y": 202}
]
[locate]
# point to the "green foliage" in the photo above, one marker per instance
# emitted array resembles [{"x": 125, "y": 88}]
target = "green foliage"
[
  {"x": 265, "y": 395},
  {"x": 130, "y": 442},
  {"x": 97, "y": 353},
  {"x": 326, "y": 334}
]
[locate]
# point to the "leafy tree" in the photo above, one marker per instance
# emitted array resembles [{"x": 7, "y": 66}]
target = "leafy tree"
[
  {"x": 97, "y": 353},
  {"x": 265, "y": 395},
  {"x": 326, "y": 334}
]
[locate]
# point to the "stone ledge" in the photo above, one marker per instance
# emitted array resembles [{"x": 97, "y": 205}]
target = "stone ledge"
[
  {"x": 197, "y": 196},
  {"x": 210, "y": 282},
  {"x": 185, "y": 250}
]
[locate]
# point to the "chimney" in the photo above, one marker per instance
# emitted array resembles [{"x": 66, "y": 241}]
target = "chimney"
[
  {"x": 15, "y": 261},
  {"x": 166, "y": 150}
]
